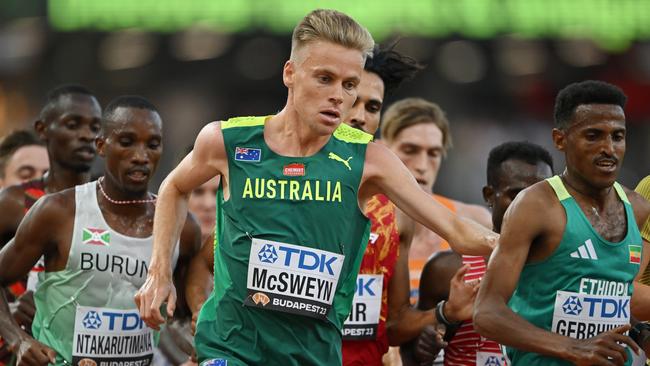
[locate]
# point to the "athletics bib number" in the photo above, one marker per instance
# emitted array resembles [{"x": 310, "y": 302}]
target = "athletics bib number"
[
  {"x": 363, "y": 320},
  {"x": 109, "y": 337},
  {"x": 292, "y": 278},
  {"x": 583, "y": 316}
]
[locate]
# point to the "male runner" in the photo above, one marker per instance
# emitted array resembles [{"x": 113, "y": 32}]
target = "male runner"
[
  {"x": 22, "y": 158},
  {"x": 558, "y": 286},
  {"x": 382, "y": 295},
  {"x": 511, "y": 168},
  {"x": 68, "y": 125},
  {"x": 96, "y": 240},
  {"x": 293, "y": 234},
  {"x": 381, "y": 312},
  {"x": 417, "y": 131}
]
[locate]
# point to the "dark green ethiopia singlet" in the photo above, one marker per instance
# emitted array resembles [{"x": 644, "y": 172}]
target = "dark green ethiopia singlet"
[
  {"x": 584, "y": 287},
  {"x": 289, "y": 245}
]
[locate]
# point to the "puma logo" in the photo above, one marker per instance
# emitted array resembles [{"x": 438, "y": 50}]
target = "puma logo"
[{"x": 340, "y": 160}]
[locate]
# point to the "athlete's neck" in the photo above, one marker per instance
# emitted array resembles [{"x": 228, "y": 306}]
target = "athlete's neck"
[
  {"x": 122, "y": 200},
  {"x": 596, "y": 196},
  {"x": 59, "y": 178},
  {"x": 287, "y": 135}
]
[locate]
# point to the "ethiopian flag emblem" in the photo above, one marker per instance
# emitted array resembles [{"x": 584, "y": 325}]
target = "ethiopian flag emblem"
[
  {"x": 97, "y": 236},
  {"x": 635, "y": 254}
]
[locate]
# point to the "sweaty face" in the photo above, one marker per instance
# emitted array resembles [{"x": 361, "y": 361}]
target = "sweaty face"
[
  {"x": 203, "y": 205},
  {"x": 27, "y": 163},
  {"x": 322, "y": 80},
  {"x": 594, "y": 144},
  {"x": 71, "y": 132},
  {"x": 420, "y": 149},
  {"x": 132, "y": 147},
  {"x": 366, "y": 110},
  {"x": 513, "y": 176}
]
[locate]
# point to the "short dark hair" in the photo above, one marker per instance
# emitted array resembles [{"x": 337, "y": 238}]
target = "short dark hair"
[
  {"x": 585, "y": 92},
  {"x": 54, "y": 95},
  {"x": 124, "y": 101},
  {"x": 515, "y": 150},
  {"x": 14, "y": 141},
  {"x": 392, "y": 67}
]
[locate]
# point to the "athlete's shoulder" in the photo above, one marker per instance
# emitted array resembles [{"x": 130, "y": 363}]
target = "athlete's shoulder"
[
  {"x": 239, "y": 122},
  {"x": 640, "y": 205},
  {"x": 539, "y": 196},
  {"x": 643, "y": 188},
  {"x": 54, "y": 207},
  {"x": 12, "y": 197},
  {"x": 351, "y": 135},
  {"x": 209, "y": 142}
]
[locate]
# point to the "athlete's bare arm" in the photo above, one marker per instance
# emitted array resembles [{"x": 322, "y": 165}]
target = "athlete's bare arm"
[
  {"x": 12, "y": 206},
  {"x": 199, "y": 280},
  {"x": 41, "y": 232},
  {"x": 207, "y": 160},
  {"x": 493, "y": 319},
  {"x": 384, "y": 173}
]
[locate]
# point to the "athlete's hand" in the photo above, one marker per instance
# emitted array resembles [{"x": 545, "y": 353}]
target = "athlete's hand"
[
  {"x": 157, "y": 289},
  {"x": 460, "y": 305},
  {"x": 429, "y": 344},
  {"x": 24, "y": 311},
  {"x": 604, "y": 349},
  {"x": 30, "y": 352}
]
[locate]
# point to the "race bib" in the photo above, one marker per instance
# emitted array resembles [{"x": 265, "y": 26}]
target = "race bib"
[
  {"x": 490, "y": 359},
  {"x": 109, "y": 337},
  {"x": 363, "y": 320},
  {"x": 292, "y": 278},
  {"x": 582, "y": 316}
]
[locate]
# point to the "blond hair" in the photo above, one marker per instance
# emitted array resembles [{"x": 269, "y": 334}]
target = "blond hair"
[
  {"x": 413, "y": 111},
  {"x": 332, "y": 26}
]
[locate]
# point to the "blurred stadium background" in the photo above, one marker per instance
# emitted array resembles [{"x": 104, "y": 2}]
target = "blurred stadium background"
[{"x": 493, "y": 65}]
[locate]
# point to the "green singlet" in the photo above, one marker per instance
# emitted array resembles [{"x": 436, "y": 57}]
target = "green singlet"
[
  {"x": 584, "y": 287},
  {"x": 290, "y": 240}
]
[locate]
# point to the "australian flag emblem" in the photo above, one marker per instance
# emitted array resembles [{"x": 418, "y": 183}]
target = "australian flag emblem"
[{"x": 247, "y": 154}]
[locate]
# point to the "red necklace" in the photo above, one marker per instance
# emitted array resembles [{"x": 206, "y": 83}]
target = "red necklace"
[{"x": 116, "y": 202}]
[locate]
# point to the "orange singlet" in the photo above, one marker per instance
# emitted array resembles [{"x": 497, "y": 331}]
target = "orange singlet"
[{"x": 418, "y": 260}]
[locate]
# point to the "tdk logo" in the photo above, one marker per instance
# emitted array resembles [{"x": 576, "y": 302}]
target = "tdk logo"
[
  {"x": 113, "y": 320},
  {"x": 92, "y": 320},
  {"x": 364, "y": 286},
  {"x": 493, "y": 361},
  {"x": 604, "y": 308},
  {"x": 307, "y": 259},
  {"x": 268, "y": 254},
  {"x": 572, "y": 306}
]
